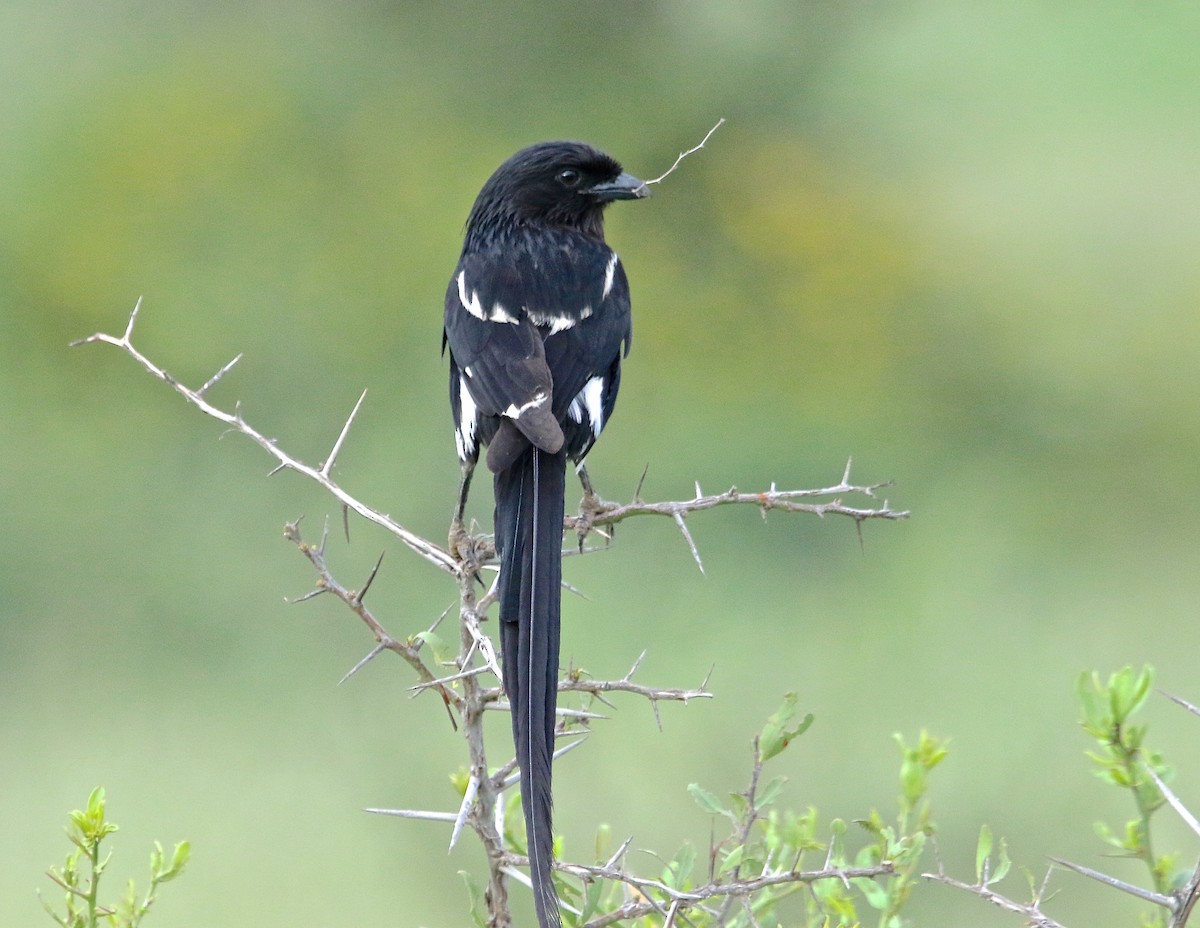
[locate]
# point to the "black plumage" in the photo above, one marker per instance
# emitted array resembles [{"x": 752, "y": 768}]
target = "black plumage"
[{"x": 537, "y": 322}]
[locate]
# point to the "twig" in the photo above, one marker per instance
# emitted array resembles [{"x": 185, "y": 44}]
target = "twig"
[
  {"x": 735, "y": 888},
  {"x": 1146, "y": 894},
  {"x": 683, "y": 154},
  {"x": 352, "y": 598},
  {"x": 598, "y": 512},
  {"x": 424, "y": 548},
  {"x": 1030, "y": 911}
]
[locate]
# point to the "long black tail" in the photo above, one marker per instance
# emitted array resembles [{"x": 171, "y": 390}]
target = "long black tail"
[{"x": 529, "y": 531}]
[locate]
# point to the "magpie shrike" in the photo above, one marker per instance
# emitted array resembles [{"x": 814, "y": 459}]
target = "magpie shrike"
[{"x": 537, "y": 322}]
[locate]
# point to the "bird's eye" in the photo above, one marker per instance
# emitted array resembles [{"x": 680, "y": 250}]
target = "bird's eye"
[{"x": 569, "y": 177}]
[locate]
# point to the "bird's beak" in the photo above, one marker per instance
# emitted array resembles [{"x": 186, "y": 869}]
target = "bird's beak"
[{"x": 625, "y": 187}]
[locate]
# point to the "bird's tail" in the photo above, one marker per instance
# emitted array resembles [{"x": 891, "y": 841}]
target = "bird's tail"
[{"x": 529, "y": 531}]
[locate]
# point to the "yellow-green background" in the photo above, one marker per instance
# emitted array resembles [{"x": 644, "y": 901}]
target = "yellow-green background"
[{"x": 958, "y": 241}]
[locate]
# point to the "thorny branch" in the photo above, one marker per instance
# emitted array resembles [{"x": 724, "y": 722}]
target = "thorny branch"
[
  {"x": 234, "y": 420},
  {"x": 461, "y": 685},
  {"x": 1179, "y": 904},
  {"x": 1032, "y": 911}
]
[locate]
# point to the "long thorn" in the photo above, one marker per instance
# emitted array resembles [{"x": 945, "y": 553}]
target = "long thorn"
[
  {"x": 1146, "y": 894},
  {"x": 416, "y": 813},
  {"x": 1179, "y": 701},
  {"x": 637, "y": 494},
  {"x": 463, "y": 811},
  {"x": 374, "y": 653},
  {"x": 311, "y": 594},
  {"x": 217, "y": 376},
  {"x": 137, "y": 308},
  {"x": 1174, "y": 801},
  {"x": 688, "y": 538},
  {"x": 337, "y": 445},
  {"x": 361, "y": 594}
]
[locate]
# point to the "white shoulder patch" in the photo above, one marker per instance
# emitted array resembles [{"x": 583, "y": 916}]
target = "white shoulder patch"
[
  {"x": 472, "y": 304},
  {"x": 609, "y": 273}
]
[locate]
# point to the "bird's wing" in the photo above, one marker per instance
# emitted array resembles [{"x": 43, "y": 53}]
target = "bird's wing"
[
  {"x": 584, "y": 357},
  {"x": 498, "y": 350}
]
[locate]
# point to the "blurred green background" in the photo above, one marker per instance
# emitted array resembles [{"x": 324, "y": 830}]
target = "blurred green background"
[{"x": 956, "y": 241}]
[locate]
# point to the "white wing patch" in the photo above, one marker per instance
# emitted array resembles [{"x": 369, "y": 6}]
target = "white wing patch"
[
  {"x": 609, "y": 272},
  {"x": 472, "y": 304},
  {"x": 555, "y": 323},
  {"x": 589, "y": 402},
  {"x": 515, "y": 412},
  {"x": 468, "y": 422}
]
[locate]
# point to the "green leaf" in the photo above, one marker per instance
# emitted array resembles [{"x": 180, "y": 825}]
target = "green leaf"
[
  {"x": 776, "y": 735},
  {"x": 876, "y": 895},
  {"x": 440, "y": 652},
  {"x": 1003, "y": 863},
  {"x": 475, "y": 897},
  {"x": 179, "y": 859},
  {"x": 706, "y": 800},
  {"x": 603, "y": 842},
  {"x": 592, "y": 891},
  {"x": 983, "y": 850},
  {"x": 732, "y": 860},
  {"x": 677, "y": 872},
  {"x": 770, "y": 792}
]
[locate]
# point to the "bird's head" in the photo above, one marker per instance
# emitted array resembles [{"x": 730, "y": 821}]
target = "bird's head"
[{"x": 556, "y": 184}]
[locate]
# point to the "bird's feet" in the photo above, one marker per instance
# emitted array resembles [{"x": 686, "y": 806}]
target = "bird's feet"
[
  {"x": 590, "y": 506},
  {"x": 464, "y": 548}
]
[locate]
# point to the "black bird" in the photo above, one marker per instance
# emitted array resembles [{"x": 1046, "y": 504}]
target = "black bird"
[{"x": 537, "y": 321}]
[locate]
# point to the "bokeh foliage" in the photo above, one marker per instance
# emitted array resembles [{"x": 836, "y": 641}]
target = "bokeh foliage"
[{"x": 957, "y": 241}]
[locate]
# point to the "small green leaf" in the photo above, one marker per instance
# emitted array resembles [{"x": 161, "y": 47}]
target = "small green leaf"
[
  {"x": 592, "y": 891},
  {"x": 475, "y": 897},
  {"x": 876, "y": 895},
  {"x": 603, "y": 841},
  {"x": 677, "y": 872},
  {"x": 732, "y": 860},
  {"x": 440, "y": 652},
  {"x": 1003, "y": 864},
  {"x": 770, "y": 792},
  {"x": 983, "y": 850},
  {"x": 776, "y": 735},
  {"x": 706, "y": 800},
  {"x": 179, "y": 859}
]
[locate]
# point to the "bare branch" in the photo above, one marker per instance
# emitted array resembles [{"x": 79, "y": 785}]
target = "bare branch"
[
  {"x": 576, "y": 683},
  {"x": 683, "y": 154},
  {"x": 353, "y": 599},
  {"x": 1148, "y": 895},
  {"x": 643, "y": 903},
  {"x": 603, "y": 512},
  {"x": 424, "y": 548},
  {"x": 1030, "y": 911}
]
